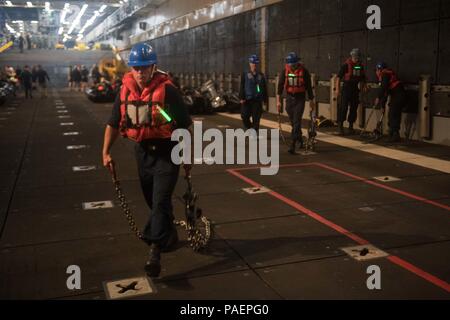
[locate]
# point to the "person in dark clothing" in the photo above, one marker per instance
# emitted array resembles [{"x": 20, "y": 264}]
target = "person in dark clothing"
[
  {"x": 157, "y": 172},
  {"x": 353, "y": 76},
  {"x": 27, "y": 82},
  {"x": 42, "y": 78},
  {"x": 21, "y": 43},
  {"x": 252, "y": 94},
  {"x": 34, "y": 76},
  {"x": 28, "y": 42},
  {"x": 95, "y": 74},
  {"x": 76, "y": 77},
  {"x": 84, "y": 77},
  {"x": 390, "y": 85},
  {"x": 295, "y": 80}
]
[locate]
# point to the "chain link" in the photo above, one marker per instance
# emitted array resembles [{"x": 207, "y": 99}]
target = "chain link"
[{"x": 197, "y": 240}]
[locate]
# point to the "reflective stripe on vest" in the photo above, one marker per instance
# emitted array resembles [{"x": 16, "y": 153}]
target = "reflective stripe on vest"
[{"x": 294, "y": 80}]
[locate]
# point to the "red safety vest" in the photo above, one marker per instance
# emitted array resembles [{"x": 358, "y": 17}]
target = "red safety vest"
[
  {"x": 393, "y": 79},
  {"x": 140, "y": 118},
  {"x": 355, "y": 71},
  {"x": 294, "y": 80}
]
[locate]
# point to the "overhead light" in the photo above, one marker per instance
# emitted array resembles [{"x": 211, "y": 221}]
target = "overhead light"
[
  {"x": 64, "y": 13},
  {"x": 102, "y": 8},
  {"x": 90, "y": 21},
  {"x": 10, "y": 29},
  {"x": 34, "y": 21},
  {"x": 29, "y": 4},
  {"x": 77, "y": 19},
  {"x": 47, "y": 6},
  {"x": 61, "y": 30},
  {"x": 9, "y": 3}
]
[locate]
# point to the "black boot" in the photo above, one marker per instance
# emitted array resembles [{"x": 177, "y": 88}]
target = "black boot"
[
  {"x": 394, "y": 137},
  {"x": 300, "y": 142},
  {"x": 153, "y": 266},
  {"x": 351, "y": 131},
  {"x": 292, "y": 148},
  {"x": 341, "y": 131}
]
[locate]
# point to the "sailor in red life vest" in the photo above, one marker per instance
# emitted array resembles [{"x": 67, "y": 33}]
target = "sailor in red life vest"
[
  {"x": 147, "y": 111},
  {"x": 295, "y": 80},
  {"x": 390, "y": 85},
  {"x": 353, "y": 76}
]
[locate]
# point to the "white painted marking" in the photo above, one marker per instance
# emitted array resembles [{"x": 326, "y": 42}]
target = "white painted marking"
[
  {"x": 62, "y": 111},
  {"x": 12, "y": 109},
  {"x": 206, "y": 160},
  {"x": 66, "y": 124},
  {"x": 126, "y": 288},
  {"x": 76, "y": 147},
  {"x": 75, "y": 133},
  {"x": 63, "y": 117},
  {"x": 61, "y": 107},
  {"x": 387, "y": 179},
  {"x": 97, "y": 205},
  {"x": 256, "y": 190},
  {"x": 307, "y": 153},
  {"x": 366, "y": 209},
  {"x": 407, "y": 157},
  {"x": 365, "y": 252},
  {"x": 83, "y": 168}
]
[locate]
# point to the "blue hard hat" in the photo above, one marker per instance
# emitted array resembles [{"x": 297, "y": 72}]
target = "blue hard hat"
[
  {"x": 381, "y": 65},
  {"x": 292, "y": 58},
  {"x": 253, "y": 59},
  {"x": 142, "y": 54}
]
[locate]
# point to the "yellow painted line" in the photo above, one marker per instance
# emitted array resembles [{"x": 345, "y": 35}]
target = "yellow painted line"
[
  {"x": 407, "y": 157},
  {"x": 6, "y": 46}
]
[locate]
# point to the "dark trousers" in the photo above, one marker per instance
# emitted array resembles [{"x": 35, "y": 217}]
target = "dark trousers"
[
  {"x": 349, "y": 100},
  {"x": 28, "y": 91},
  {"x": 295, "y": 106},
  {"x": 396, "y": 105},
  {"x": 251, "y": 109},
  {"x": 158, "y": 177}
]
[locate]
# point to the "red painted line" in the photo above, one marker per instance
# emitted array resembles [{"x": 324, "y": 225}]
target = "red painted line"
[
  {"x": 394, "y": 259},
  {"x": 382, "y": 186},
  {"x": 421, "y": 273},
  {"x": 304, "y": 210},
  {"x": 355, "y": 177}
]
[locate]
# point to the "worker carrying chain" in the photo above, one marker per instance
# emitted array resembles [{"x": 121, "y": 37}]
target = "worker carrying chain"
[{"x": 196, "y": 238}]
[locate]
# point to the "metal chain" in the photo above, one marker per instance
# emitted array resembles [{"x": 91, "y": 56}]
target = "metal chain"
[
  {"x": 197, "y": 240},
  {"x": 124, "y": 205},
  {"x": 281, "y": 130}
]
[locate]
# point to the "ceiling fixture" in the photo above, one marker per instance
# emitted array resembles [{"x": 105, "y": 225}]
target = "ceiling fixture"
[
  {"x": 89, "y": 22},
  {"x": 64, "y": 13},
  {"x": 29, "y": 4},
  {"x": 47, "y": 6},
  {"x": 77, "y": 19},
  {"x": 9, "y": 3}
]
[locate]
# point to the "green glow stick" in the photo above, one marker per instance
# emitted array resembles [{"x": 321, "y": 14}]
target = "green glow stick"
[
  {"x": 165, "y": 115},
  {"x": 258, "y": 89}
]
